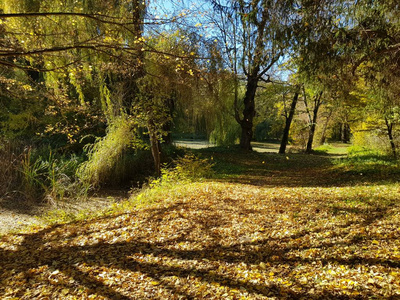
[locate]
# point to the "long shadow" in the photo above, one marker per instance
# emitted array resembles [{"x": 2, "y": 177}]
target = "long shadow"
[
  {"x": 290, "y": 170},
  {"x": 89, "y": 255},
  {"x": 50, "y": 258},
  {"x": 49, "y": 250}
]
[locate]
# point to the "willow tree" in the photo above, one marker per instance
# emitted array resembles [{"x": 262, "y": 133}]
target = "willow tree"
[
  {"x": 73, "y": 44},
  {"x": 80, "y": 44}
]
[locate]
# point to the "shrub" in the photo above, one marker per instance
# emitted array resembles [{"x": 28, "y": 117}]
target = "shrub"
[
  {"x": 50, "y": 177},
  {"x": 107, "y": 153},
  {"x": 10, "y": 161},
  {"x": 187, "y": 168}
]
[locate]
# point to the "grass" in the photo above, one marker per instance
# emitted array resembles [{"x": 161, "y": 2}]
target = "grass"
[
  {"x": 280, "y": 227},
  {"x": 369, "y": 163}
]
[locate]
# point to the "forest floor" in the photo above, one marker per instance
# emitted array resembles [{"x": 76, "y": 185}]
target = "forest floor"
[{"x": 267, "y": 226}]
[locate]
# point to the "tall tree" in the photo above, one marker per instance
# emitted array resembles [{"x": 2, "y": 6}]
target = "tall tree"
[
  {"x": 77, "y": 38},
  {"x": 261, "y": 37},
  {"x": 312, "y": 114},
  {"x": 372, "y": 46},
  {"x": 289, "y": 114}
]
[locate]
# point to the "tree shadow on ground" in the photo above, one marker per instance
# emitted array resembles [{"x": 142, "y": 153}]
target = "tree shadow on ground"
[
  {"x": 185, "y": 251},
  {"x": 290, "y": 170}
]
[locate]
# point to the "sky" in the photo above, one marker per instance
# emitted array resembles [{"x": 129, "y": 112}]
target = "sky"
[{"x": 196, "y": 14}]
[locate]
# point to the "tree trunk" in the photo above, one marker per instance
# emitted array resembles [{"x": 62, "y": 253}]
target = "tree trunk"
[
  {"x": 389, "y": 127},
  {"x": 248, "y": 113},
  {"x": 155, "y": 148},
  {"x": 313, "y": 125},
  {"x": 289, "y": 118},
  {"x": 310, "y": 138},
  {"x": 323, "y": 137},
  {"x": 345, "y": 134}
]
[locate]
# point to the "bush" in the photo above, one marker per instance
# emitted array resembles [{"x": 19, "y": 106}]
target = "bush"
[
  {"x": 10, "y": 162},
  {"x": 107, "y": 154},
  {"x": 50, "y": 177},
  {"x": 187, "y": 168}
]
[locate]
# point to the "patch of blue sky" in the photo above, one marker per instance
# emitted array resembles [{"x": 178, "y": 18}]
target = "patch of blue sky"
[{"x": 198, "y": 16}]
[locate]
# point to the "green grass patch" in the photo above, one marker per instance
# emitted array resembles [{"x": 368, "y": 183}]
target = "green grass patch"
[
  {"x": 368, "y": 163},
  {"x": 332, "y": 149}
]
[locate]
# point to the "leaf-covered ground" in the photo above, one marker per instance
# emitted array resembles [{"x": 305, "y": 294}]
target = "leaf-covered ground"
[{"x": 278, "y": 228}]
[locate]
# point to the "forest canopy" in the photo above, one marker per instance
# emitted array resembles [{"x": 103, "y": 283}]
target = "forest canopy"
[{"x": 108, "y": 85}]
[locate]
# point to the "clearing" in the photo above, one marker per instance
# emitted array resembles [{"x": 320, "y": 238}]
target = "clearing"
[{"x": 267, "y": 227}]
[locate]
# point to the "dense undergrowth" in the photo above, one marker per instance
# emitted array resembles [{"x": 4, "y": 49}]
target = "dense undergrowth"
[
  {"x": 228, "y": 225},
  {"x": 39, "y": 173}
]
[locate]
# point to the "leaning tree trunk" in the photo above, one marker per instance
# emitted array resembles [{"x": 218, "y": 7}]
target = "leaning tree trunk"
[
  {"x": 389, "y": 127},
  {"x": 289, "y": 118}
]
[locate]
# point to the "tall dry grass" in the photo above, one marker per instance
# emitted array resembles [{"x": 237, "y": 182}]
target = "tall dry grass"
[{"x": 11, "y": 157}]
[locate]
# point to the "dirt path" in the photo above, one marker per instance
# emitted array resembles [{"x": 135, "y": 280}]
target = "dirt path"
[
  {"x": 201, "y": 144},
  {"x": 16, "y": 214},
  {"x": 10, "y": 220}
]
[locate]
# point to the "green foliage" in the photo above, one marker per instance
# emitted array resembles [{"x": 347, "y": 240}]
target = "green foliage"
[
  {"x": 224, "y": 160},
  {"x": 269, "y": 129},
  {"x": 108, "y": 152},
  {"x": 362, "y": 151},
  {"x": 10, "y": 160},
  {"x": 272, "y": 104},
  {"x": 323, "y": 149},
  {"x": 32, "y": 174},
  {"x": 366, "y": 161},
  {"x": 50, "y": 177},
  {"x": 59, "y": 216},
  {"x": 186, "y": 169},
  {"x": 226, "y": 132}
]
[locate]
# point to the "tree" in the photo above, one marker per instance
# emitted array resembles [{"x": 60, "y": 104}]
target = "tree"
[
  {"x": 312, "y": 114},
  {"x": 74, "y": 39},
  {"x": 260, "y": 37},
  {"x": 289, "y": 114},
  {"x": 373, "y": 47},
  {"x": 319, "y": 57}
]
